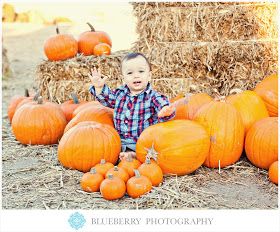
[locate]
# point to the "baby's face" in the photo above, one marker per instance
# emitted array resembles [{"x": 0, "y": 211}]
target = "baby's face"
[{"x": 136, "y": 74}]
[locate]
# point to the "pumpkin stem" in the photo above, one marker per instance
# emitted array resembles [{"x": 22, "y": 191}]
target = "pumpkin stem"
[
  {"x": 110, "y": 176},
  {"x": 36, "y": 96},
  {"x": 75, "y": 98},
  {"x": 116, "y": 168},
  {"x": 93, "y": 170},
  {"x": 148, "y": 160},
  {"x": 91, "y": 27},
  {"x": 152, "y": 153},
  {"x": 137, "y": 173},
  {"x": 26, "y": 93},
  {"x": 102, "y": 161},
  {"x": 40, "y": 100},
  {"x": 57, "y": 30}
]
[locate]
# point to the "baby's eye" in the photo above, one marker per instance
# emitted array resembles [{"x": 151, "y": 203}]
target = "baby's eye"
[
  {"x": 141, "y": 71},
  {"x": 129, "y": 73}
]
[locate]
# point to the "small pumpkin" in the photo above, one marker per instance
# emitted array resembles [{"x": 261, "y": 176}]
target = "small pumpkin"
[
  {"x": 96, "y": 113},
  {"x": 151, "y": 170},
  {"x": 261, "y": 143},
  {"x": 179, "y": 147},
  {"x": 119, "y": 172},
  {"x": 273, "y": 172},
  {"x": 60, "y": 47},
  {"x": 129, "y": 164},
  {"x": 267, "y": 89},
  {"x": 112, "y": 188},
  {"x": 69, "y": 106},
  {"x": 91, "y": 181},
  {"x": 84, "y": 145},
  {"x": 225, "y": 127},
  {"x": 103, "y": 167},
  {"x": 38, "y": 123},
  {"x": 187, "y": 107},
  {"x": 138, "y": 185},
  {"x": 89, "y": 39},
  {"x": 102, "y": 49},
  {"x": 250, "y": 106},
  {"x": 14, "y": 102},
  {"x": 179, "y": 96}
]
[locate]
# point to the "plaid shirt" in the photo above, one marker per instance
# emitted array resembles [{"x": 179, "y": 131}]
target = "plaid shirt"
[{"x": 132, "y": 114}]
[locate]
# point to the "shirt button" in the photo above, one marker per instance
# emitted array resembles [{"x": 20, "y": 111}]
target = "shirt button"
[{"x": 126, "y": 121}]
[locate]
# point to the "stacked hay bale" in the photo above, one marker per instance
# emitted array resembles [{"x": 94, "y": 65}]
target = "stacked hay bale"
[
  {"x": 208, "y": 47},
  {"x": 57, "y": 80}
]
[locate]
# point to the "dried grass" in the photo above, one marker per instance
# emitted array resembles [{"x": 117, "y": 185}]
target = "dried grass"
[{"x": 34, "y": 179}]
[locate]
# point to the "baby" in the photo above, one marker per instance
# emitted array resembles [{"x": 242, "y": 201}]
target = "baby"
[{"x": 136, "y": 105}]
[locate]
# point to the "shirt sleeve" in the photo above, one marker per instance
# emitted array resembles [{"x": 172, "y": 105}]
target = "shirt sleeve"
[
  {"x": 107, "y": 97},
  {"x": 159, "y": 101}
]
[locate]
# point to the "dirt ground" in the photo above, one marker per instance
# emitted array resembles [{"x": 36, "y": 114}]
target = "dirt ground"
[{"x": 32, "y": 177}]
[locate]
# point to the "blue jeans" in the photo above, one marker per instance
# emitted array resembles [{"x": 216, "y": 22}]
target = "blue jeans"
[{"x": 128, "y": 145}]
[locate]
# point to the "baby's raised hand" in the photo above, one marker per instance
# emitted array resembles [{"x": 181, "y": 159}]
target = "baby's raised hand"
[
  {"x": 96, "y": 78},
  {"x": 166, "y": 111}
]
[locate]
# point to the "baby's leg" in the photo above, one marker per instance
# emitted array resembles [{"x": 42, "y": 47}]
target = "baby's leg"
[{"x": 126, "y": 154}]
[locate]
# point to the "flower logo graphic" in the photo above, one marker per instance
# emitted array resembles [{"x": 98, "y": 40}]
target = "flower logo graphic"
[{"x": 77, "y": 220}]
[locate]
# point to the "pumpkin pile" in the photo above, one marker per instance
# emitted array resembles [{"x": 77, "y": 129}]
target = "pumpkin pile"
[{"x": 65, "y": 46}]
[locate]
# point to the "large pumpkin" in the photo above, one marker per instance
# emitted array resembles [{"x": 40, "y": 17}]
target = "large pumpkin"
[
  {"x": 179, "y": 147},
  {"x": 69, "y": 106},
  {"x": 250, "y": 106},
  {"x": 14, "y": 102},
  {"x": 38, "y": 123},
  {"x": 89, "y": 39},
  {"x": 83, "y": 106},
  {"x": 267, "y": 89},
  {"x": 60, "y": 47},
  {"x": 225, "y": 127},
  {"x": 96, "y": 113},
  {"x": 84, "y": 145},
  {"x": 187, "y": 107},
  {"x": 261, "y": 144}
]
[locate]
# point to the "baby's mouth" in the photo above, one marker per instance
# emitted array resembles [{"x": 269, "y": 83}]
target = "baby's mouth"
[{"x": 136, "y": 82}]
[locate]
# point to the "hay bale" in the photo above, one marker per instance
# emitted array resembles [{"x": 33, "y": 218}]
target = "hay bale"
[
  {"x": 217, "y": 46},
  {"x": 57, "y": 80},
  {"x": 206, "y": 22},
  {"x": 8, "y": 13},
  {"x": 6, "y": 71},
  {"x": 22, "y": 17}
]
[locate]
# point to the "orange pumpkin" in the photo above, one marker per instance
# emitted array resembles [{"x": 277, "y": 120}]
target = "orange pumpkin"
[
  {"x": 250, "y": 106},
  {"x": 225, "y": 127},
  {"x": 102, "y": 49},
  {"x": 138, "y": 185},
  {"x": 273, "y": 172},
  {"x": 261, "y": 144},
  {"x": 83, "y": 106},
  {"x": 179, "y": 96},
  {"x": 119, "y": 172},
  {"x": 89, "y": 39},
  {"x": 84, "y": 145},
  {"x": 179, "y": 147},
  {"x": 151, "y": 170},
  {"x": 60, "y": 47},
  {"x": 112, "y": 188},
  {"x": 129, "y": 164},
  {"x": 187, "y": 107},
  {"x": 267, "y": 89},
  {"x": 91, "y": 181},
  {"x": 103, "y": 167},
  {"x": 96, "y": 113},
  {"x": 38, "y": 123},
  {"x": 69, "y": 106},
  {"x": 14, "y": 102}
]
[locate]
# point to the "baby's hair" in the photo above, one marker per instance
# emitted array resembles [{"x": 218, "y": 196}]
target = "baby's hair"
[{"x": 133, "y": 55}]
